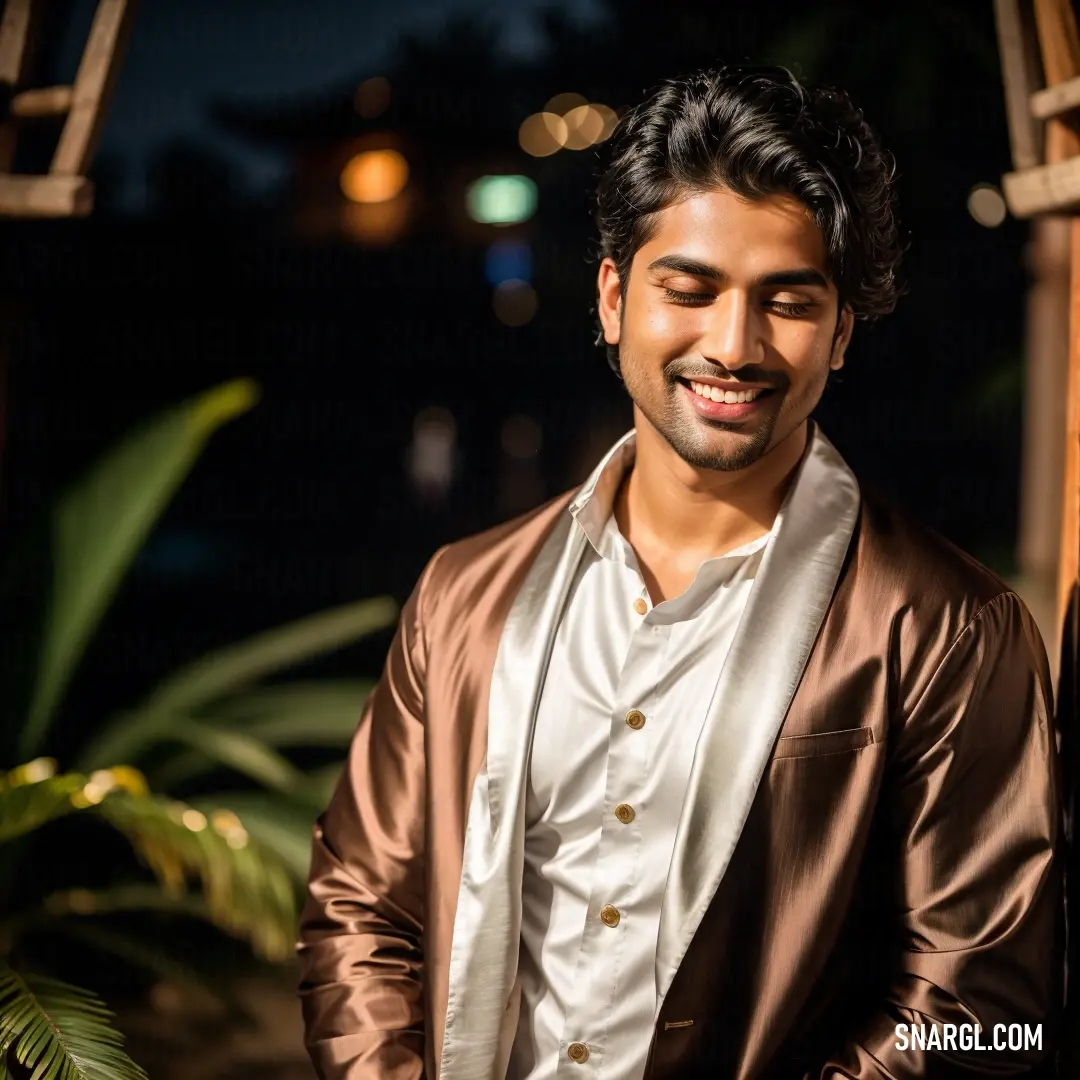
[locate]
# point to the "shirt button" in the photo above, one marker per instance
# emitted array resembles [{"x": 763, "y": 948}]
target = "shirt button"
[
  {"x": 640, "y": 606},
  {"x": 625, "y": 813},
  {"x": 610, "y": 915},
  {"x": 578, "y": 1052},
  {"x": 635, "y": 718}
]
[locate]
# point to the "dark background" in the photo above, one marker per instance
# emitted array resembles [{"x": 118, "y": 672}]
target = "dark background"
[{"x": 201, "y": 262}]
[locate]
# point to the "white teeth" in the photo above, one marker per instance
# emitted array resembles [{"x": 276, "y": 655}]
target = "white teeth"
[{"x": 729, "y": 397}]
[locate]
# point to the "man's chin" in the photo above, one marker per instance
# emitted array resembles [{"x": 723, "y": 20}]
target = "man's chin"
[{"x": 722, "y": 449}]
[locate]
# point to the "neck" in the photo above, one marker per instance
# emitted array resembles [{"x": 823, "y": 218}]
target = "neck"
[{"x": 668, "y": 505}]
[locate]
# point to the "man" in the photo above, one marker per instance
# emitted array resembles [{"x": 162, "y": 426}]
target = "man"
[{"x": 718, "y": 766}]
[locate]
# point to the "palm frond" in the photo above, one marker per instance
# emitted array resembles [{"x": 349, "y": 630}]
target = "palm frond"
[
  {"x": 201, "y": 684},
  {"x": 99, "y": 526},
  {"x": 59, "y": 1032},
  {"x": 134, "y": 896},
  {"x": 282, "y": 826},
  {"x": 28, "y": 804},
  {"x": 212, "y": 747},
  {"x": 315, "y": 712},
  {"x": 246, "y": 731},
  {"x": 321, "y": 783},
  {"x": 248, "y": 891},
  {"x": 241, "y": 664}
]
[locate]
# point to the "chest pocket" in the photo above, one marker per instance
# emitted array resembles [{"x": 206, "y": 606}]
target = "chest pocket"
[{"x": 822, "y": 743}]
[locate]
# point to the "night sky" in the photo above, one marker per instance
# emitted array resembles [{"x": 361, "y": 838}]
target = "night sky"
[{"x": 186, "y": 53}]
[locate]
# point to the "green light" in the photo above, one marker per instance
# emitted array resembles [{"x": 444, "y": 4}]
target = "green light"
[{"x": 501, "y": 200}]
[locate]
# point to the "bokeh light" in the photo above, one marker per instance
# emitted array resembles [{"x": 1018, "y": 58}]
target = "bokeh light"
[
  {"x": 609, "y": 117},
  {"x": 501, "y": 200},
  {"x": 541, "y": 134},
  {"x": 508, "y": 260},
  {"x": 372, "y": 97},
  {"x": 585, "y": 125},
  {"x": 569, "y": 121},
  {"x": 374, "y": 176},
  {"x": 561, "y": 104},
  {"x": 431, "y": 455},
  {"x": 514, "y": 302},
  {"x": 987, "y": 206}
]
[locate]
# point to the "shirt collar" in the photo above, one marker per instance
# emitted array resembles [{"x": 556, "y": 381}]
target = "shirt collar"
[{"x": 593, "y": 506}]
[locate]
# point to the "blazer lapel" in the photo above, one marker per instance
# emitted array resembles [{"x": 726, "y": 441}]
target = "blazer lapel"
[
  {"x": 487, "y": 925},
  {"x": 794, "y": 586}
]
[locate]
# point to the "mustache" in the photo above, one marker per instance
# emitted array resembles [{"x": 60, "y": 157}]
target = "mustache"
[{"x": 750, "y": 373}]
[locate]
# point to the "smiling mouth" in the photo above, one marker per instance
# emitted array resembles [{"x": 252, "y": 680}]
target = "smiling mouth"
[{"x": 708, "y": 391}]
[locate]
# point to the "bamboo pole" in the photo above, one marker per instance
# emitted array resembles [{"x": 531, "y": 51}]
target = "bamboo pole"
[{"x": 1059, "y": 43}]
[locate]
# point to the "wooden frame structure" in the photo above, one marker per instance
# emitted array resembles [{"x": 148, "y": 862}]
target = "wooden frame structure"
[
  {"x": 1040, "y": 62},
  {"x": 65, "y": 190}
]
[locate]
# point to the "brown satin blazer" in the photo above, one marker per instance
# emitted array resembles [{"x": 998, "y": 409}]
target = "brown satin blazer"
[{"x": 900, "y": 861}]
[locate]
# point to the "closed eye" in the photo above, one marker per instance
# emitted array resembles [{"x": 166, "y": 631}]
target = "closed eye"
[
  {"x": 782, "y": 308},
  {"x": 694, "y": 299},
  {"x": 699, "y": 299}
]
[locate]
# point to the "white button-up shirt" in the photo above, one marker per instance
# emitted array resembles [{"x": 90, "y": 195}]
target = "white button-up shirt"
[{"x": 623, "y": 704}]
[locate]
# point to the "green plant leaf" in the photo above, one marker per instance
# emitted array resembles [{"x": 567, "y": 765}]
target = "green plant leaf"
[
  {"x": 203, "y": 683},
  {"x": 28, "y": 806},
  {"x": 60, "y": 1032},
  {"x": 239, "y": 665},
  {"x": 282, "y": 826},
  {"x": 248, "y": 890},
  {"x": 310, "y": 713},
  {"x": 254, "y": 725},
  {"x": 321, "y": 783},
  {"x": 136, "y": 896},
  {"x": 237, "y": 749},
  {"x": 99, "y": 526}
]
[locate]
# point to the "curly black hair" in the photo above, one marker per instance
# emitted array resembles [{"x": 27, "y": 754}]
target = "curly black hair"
[{"x": 757, "y": 131}]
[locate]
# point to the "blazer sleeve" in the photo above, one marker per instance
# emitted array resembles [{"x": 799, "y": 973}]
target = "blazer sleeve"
[
  {"x": 977, "y": 816},
  {"x": 360, "y": 947}
]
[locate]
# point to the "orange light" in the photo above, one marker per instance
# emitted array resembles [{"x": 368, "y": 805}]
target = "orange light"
[
  {"x": 543, "y": 133},
  {"x": 585, "y": 125},
  {"x": 374, "y": 176},
  {"x": 610, "y": 119},
  {"x": 561, "y": 104}
]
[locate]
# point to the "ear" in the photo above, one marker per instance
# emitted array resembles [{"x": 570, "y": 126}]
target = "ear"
[
  {"x": 843, "y": 339},
  {"x": 609, "y": 301}
]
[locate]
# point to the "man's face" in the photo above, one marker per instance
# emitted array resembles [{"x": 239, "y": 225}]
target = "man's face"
[{"x": 728, "y": 295}]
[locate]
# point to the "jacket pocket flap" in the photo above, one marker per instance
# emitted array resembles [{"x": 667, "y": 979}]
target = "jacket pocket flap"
[{"x": 823, "y": 742}]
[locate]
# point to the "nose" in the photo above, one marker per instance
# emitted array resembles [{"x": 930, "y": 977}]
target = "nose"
[{"x": 731, "y": 336}]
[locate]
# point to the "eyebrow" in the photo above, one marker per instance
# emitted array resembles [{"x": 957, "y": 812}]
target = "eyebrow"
[{"x": 803, "y": 275}]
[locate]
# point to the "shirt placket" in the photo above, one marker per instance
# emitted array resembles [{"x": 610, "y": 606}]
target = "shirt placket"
[{"x": 616, "y": 885}]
